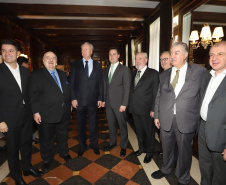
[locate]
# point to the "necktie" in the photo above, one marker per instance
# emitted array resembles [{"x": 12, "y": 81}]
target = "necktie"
[
  {"x": 137, "y": 78},
  {"x": 54, "y": 77},
  {"x": 111, "y": 72},
  {"x": 175, "y": 80},
  {"x": 87, "y": 68}
]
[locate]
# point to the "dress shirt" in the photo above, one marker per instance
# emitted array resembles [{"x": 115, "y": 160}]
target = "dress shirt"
[
  {"x": 16, "y": 74},
  {"x": 214, "y": 83},
  {"x": 90, "y": 64},
  {"x": 57, "y": 76},
  {"x": 142, "y": 71},
  {"x": 181, "y": 80},
  {"x": 113, "y": 70}
]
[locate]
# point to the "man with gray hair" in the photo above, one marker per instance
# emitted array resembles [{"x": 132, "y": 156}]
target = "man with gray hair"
[
  {"x": 177, "y": 113},
  {"x": 144, "y": 87},
  {"x": 87, "y": 94}
]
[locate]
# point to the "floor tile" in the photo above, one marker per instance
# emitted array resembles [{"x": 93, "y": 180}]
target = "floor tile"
[
  {"x": 125, "y": 169},
  {"x": 108, "y": 161},
  {"x": 111, "y": 178},
  {"x": 76, "y": 180},
  {"x": 93, "y": 172},
  {"x": 78, "y": 163},
  {"x": 36, "y": 158}
]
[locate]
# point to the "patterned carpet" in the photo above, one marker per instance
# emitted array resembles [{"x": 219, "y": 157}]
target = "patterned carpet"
[{"x": 108, "y": 168}]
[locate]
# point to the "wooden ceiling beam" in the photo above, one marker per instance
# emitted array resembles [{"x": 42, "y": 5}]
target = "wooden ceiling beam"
[{"x": 209, "y": 17}]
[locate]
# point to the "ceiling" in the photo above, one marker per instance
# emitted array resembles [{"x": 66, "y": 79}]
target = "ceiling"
[
  {"x": 213, "y": 12},
  {"x": 65, "y": 25}
]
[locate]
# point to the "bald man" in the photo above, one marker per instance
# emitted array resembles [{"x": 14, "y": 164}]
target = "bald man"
[{"x": 50, "y": 102}]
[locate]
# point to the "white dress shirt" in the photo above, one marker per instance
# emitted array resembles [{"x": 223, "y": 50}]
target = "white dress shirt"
[
  {"x": 113, "y": 70},
  {"x": 214, "y": 83},
  {"x": 142, "y": 71},
  {"x": 15, "y": 73},
  {"x": 181, "y": 80}
]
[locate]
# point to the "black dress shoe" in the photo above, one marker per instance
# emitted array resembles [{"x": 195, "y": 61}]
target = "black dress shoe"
[
  {"x": 181, "y": 183},
  {"x": 34, "y": 173},
  {"x": 20, "y": 181},
  {"x": 147, "y": 158},
  {"x": 67, "y": 158},
  {"x": 109, "y": 147},
  {"x": 45, "y": 167},
  {"x": 159, "y": 153},
  {"x": 95, "y": 150},
  {"x": 123, "y": 153},
  {"x": 81, "y": 151},
  {"x": 158, "y": 174},
  {"x": 137, "y": 153}
]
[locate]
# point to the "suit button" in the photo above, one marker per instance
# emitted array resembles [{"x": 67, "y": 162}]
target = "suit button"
[{"x": 63, "y": 104}]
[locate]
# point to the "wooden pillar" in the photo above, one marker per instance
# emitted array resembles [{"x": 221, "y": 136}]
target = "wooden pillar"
[{"x": 165, "y": 25}]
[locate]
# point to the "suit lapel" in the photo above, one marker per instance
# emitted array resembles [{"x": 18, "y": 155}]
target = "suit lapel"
[
  {"x": 187, "y": 78},
  {"x": 168, "y": 76},
  {"x": 205, "y": 85},
  {"x": 23, "y": 78},
  {"x": 94, "y": 69},
  {"x": 116, "y": 71},
  {"x": 106, "y": 75},
  {"x": 11, "y": 77},
  {"x": 49, "y": 77},
  {"x": 142, "y": 79},
  {"x": 220, "y": 89}
]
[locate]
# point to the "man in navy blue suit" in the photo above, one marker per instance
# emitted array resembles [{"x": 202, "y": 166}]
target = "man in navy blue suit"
[{"x": 87, "y": 95}]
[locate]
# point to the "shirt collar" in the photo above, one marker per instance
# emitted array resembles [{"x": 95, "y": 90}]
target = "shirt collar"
[
  {"x": 183, "y": 69},
  {"x": 52, "y": 71},
  {"x": 17, "y": 66},
  {"x": 115, "y": 65},
  {"x": 212, "y": 72},
  {"x": 144, "y": 68}
]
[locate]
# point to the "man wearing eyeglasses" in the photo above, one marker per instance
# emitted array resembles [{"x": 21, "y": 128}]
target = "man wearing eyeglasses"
[{"x": 165, "y": 60}]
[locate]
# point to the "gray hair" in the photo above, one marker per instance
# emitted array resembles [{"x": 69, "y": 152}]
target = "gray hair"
[
  {"x": 144, "y": 54},
  {"x": 91, "y": 46},
  {"x": 165, "y": 52},
  {"x": 185, "y": 46}
]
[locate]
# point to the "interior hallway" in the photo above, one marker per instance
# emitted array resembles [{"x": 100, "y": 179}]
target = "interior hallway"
[{"x": 108, "y": 168}]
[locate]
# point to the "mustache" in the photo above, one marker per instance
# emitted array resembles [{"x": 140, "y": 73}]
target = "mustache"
[{"x": 173, "y": 59}]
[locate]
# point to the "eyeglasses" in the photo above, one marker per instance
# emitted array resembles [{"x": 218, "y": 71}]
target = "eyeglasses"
[{"x": 164, "y": 59}]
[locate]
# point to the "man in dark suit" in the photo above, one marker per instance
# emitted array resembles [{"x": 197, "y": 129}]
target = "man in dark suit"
[
  {"x": 49, "y": 94},
  {"x": 116, "y": 96},
  {"x": 144, "y": 87},
  {"x": 212, "y": 130},
  {"x": 176, "y": 113},
  {"x": 87, "y": 95},
  {"x": 15, "y": 114}
]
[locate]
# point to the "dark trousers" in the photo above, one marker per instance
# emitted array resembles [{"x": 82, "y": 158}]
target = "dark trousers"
[
  {"x": 145, "y": 130},
  {"x": 182, "y": 162},
  {"x": 46, "y": 138},
  {"x": 93, "y": 127},
  {"x": 114, "y": 116},
  {"x": 19, "y": 137},
  {"x": 212, "y": 165}
]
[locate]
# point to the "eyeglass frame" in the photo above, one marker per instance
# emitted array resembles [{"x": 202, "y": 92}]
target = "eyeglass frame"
[{"x": 163, "y": 59}]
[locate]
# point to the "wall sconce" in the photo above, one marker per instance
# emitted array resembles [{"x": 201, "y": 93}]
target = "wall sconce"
[{"x": 206, "y": 38}]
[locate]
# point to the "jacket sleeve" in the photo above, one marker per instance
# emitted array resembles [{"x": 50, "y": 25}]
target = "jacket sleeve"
[
  {"x": 155, "y": 88},
  {"x": 126, "y": 86},
  {"x": 72, "y": 81}
]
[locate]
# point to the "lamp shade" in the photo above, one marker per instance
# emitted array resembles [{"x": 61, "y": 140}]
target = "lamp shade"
[
  {"x": 194, "y": 35},
  {"x": 218, "y": 32},
  {"x": 206, "y": 33}
]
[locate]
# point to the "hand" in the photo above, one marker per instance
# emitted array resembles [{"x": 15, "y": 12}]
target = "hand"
[
  {"x": 74, "y": 103},
  {"x": 122, "y": 108},
  {"x": 99, "y": 104},
  {"x": 3, "y": 127},
  {"x": 157, "y": 123},
  {"x": 103, "y": 104},
  {"x": 152, "y": 114},
  {"x": 224, "y": 154},
  {"x": 37, "y": 118}
]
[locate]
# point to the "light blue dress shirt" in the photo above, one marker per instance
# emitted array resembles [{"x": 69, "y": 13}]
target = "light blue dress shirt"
[{"x": 90, "y": 64}]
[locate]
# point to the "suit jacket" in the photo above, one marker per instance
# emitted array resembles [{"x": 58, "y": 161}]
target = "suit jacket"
[
  {"x": 187, "y": 101},
  {"x": 215, "y": 130},
  {"x": 117, "y": 92},
  {"x": 142, "y": 97},
  {"x": 11, "y": 97},
  {"x": 86, "y": 90},
  {"x": 46, "y": 97}
]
